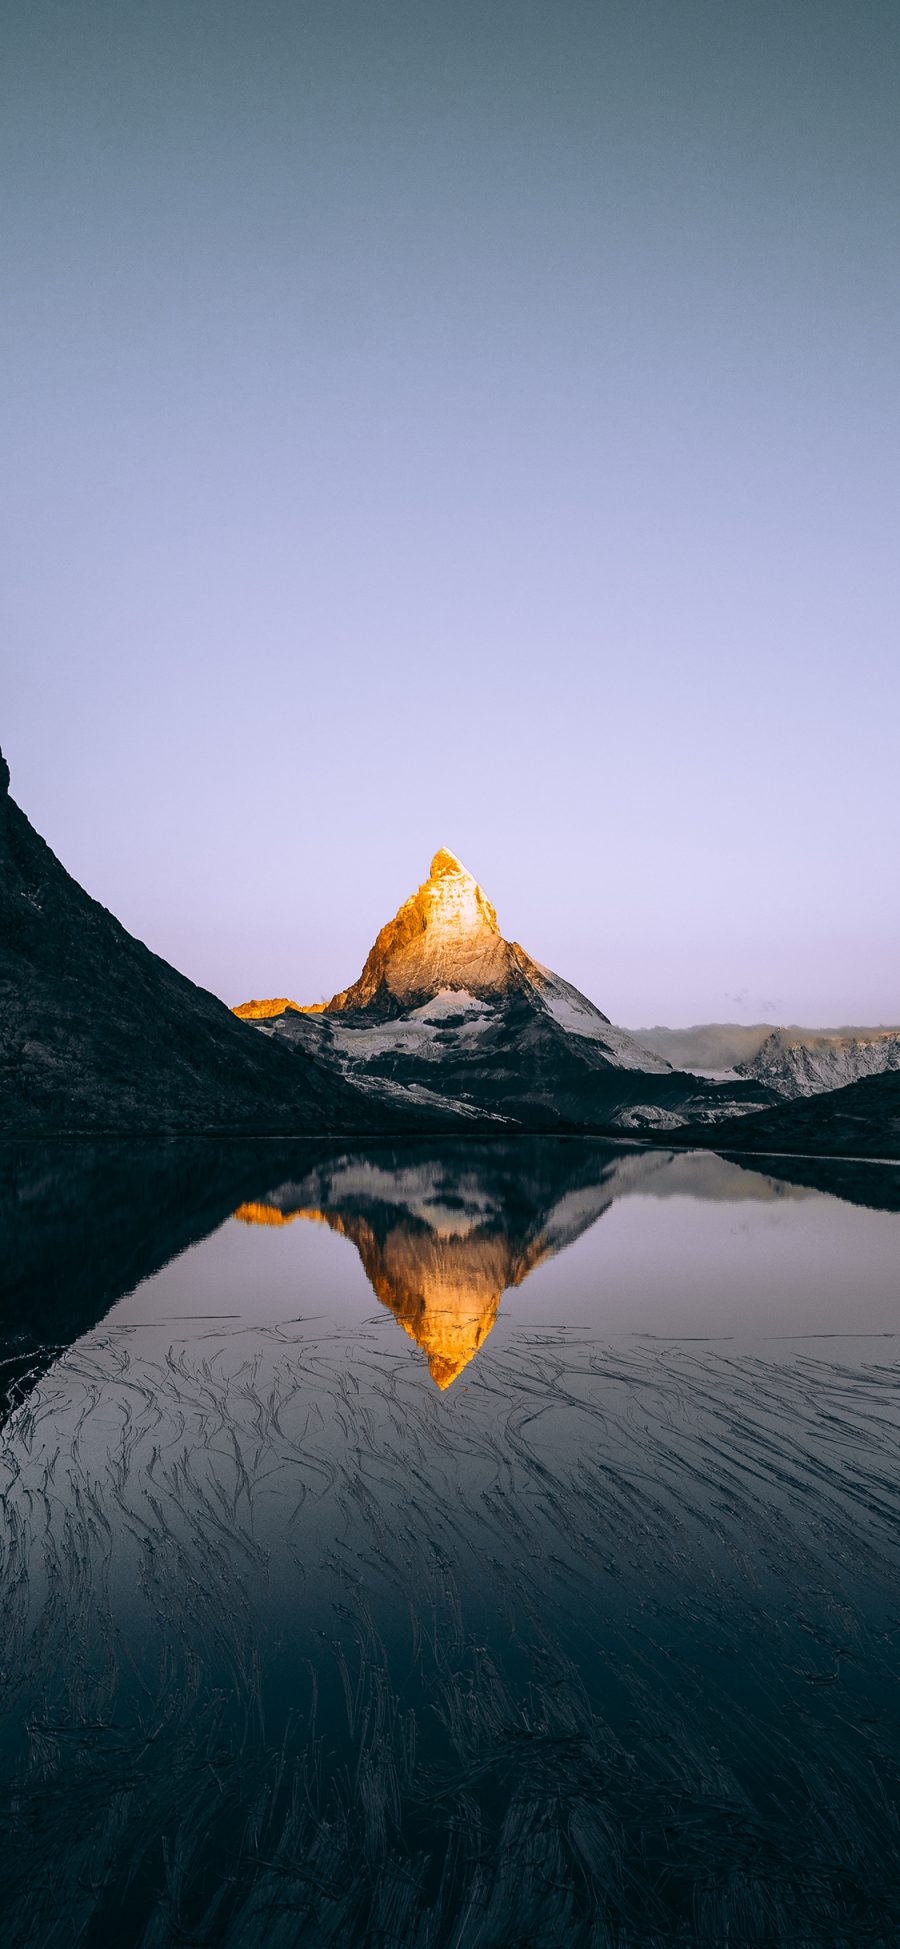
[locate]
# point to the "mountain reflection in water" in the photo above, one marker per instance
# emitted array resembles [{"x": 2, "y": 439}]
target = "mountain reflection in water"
[
  {"x": 300, "y": 1652},
  {"x": 443, "y": 1234},
  {"x": 444, "y": 1290},
  {"x": 442, "y": 1237}
]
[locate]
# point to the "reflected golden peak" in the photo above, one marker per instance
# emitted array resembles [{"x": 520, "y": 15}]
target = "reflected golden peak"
[
  {"x": 444, "y": 1230},
  {"x": 445, "y": 1292},
  {"x": 443, "y": 1286},
  {"x": 256, "y": 1214}
]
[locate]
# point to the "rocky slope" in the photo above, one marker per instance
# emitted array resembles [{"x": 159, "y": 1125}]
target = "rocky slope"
[
  {"x": 802, "y": 1062},
  {"x": 97, "y": 1033},
  {"x": 444, "y": 1002}
]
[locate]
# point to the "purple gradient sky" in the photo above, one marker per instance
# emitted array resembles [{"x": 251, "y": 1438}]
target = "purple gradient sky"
[{"x": 462, "y": 424}]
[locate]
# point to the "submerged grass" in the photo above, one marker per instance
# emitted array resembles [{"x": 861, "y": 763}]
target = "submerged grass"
[{"x": 601, "y": 1650}]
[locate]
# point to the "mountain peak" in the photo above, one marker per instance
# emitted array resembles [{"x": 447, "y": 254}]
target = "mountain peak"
[
  {"x": 462, "y": 996},
  {"x": 444, "y": 936},
  {"x": 445, "y": 862}
]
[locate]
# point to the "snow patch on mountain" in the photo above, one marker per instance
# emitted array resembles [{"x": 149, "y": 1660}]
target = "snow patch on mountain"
[
  {"x": 578, "y": 1016},
  {"x": 422, "y": 1098},
  {"x": 449, "y": 1004},
  {"x": 647, "y": 1116}
]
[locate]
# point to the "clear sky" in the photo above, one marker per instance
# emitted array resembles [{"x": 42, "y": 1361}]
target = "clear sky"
[{"x": 467, "y": 424}]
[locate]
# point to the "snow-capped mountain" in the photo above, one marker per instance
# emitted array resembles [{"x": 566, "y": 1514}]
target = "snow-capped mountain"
[
  {"x": 443, "y": 957},
  {"x": 802, "y": 1062},
  {"x": 446, "y": 1003},
  {"x": 792, "y": 1061}
]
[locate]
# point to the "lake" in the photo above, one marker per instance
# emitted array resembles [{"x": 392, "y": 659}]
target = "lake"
[{"x": 466, "y": 1544}]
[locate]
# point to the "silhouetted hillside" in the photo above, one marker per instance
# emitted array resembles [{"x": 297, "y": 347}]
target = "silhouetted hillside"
[{"x": 97, "y": 1033}]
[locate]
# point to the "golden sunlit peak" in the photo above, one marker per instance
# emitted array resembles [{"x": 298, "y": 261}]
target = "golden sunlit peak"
[
  {"x": 261, "y": 1011},
  {"x": 446, "y": 862},
  {"x": 444, "y": 936}
]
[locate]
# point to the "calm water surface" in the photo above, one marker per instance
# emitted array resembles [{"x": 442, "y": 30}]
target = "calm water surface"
[{"x": 449, "y": 1545}]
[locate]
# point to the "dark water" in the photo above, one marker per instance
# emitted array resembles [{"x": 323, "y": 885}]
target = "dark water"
[{"x": 473, "y": 1546}]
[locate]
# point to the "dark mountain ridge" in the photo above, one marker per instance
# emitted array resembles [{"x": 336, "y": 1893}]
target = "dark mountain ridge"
[
  {"x": 99, "y": 1034},
  {"x": 859, "y": 1120}
]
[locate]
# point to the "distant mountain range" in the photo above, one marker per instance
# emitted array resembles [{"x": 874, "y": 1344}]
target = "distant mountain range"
[{"x": 792, "y": 1061}]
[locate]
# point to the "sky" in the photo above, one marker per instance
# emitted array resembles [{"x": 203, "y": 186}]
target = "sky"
[{"x": 468, "y": 425}]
